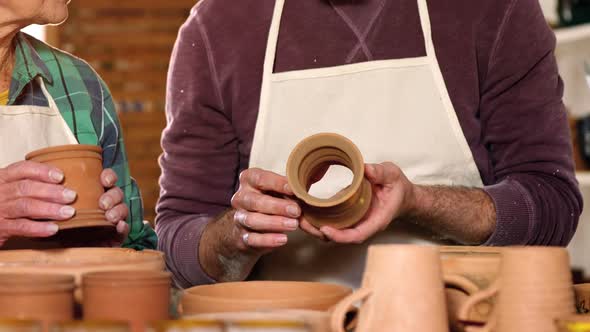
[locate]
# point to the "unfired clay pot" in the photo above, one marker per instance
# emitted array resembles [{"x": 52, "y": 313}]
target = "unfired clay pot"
[
  {"x": 582, "y": 292},
  {"x": 315, "y": 321},
  {"x": 315, "y": 154},
  {"x": 76, "y": 262},
  {"x": 533, "y": 289},
  {"x": 90, "y": 326},
  {"x": 82, "y": 166},
  {"x": 402, "y": 290},
  {"x": 139, "y": 297},
  {"x": 573, "y": 323},
  {"x": 18, "y": 325},
  {"x": 46, "y": 298},
  {"x": 261, "y": 295}
]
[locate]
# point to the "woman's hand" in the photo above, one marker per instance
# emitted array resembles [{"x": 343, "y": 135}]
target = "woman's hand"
[
  {"x": 393, "y": 196},
  {"x": 112, "y": 202},
  {"x": 29, "y": 191}
]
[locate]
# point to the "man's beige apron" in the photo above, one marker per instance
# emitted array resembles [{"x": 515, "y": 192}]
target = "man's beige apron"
[
  {"x": 394, "y": 110},
  {"x": 27, "y": 128}
]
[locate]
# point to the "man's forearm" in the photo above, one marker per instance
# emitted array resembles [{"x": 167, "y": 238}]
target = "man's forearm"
[{"x": 464, "y": 215}]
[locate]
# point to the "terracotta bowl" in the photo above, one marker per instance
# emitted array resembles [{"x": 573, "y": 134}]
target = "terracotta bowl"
[
  {"x": 316, "y": 321},
  {"x": 76, "y": 262},
  {"x": 127, "y": 295},
  {"x": 90, "y": 326},
  {"x": 261, "y": 295},
  {"x": 17, "y": 325},
  {"x": 45, "y": 298},
  {"x": 82, "y": 166},
  {"x": 317, "y": 153}
]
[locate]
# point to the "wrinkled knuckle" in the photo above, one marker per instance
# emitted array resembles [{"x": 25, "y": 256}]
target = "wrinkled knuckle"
[
  {"x": 24, "y": 188},
  {"x": 23, "y": 206}
]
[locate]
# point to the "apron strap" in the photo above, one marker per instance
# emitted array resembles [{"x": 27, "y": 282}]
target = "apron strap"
[
  {"x": 426, "y": 28},
  {"x": 53, "y": 106}
]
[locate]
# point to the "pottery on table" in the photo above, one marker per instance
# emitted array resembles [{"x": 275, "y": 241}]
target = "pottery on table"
[
  {"x": 261, "y": 295},
  {"x": 402, "y": 290},
  {"x": 582, "y": 293},
  {"x": 533, "y": 289},
  {"x": 20, "y": 325},
  {"x": 78, "y": 261},
  {"x": 127, "y": 295},
  {"x": 90, "y": 326},
  {"x": 317, "y": 153},
  {"x": 187, "y": 325},
  {"x": 82, "y": 167},
  {"x": 573, "y": 323},
  {"x": 44, "y": 298}
]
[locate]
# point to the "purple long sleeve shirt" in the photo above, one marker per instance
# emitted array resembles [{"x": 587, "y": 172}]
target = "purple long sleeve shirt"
[{"x": 497, "y": 61}]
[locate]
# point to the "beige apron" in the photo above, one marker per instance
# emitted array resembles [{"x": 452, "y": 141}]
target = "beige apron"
[
  {"x": 394, "y": 110},
  {"x": 27, "y": 128}
]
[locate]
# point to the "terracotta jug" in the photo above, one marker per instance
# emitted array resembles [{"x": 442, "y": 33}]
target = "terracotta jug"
[
  {"x": 192, "y": 325},
  {"x": 582, "y": 292},
  {"x": 139, "y": 297},
  {"x": 402, "y": 291},
  {"x": 90, "y": 326},
  {"x": 82, "y": 166},
  {"x": 573, "y": 323},
  {"x": 17, "y": 325},
  {"x": 45, "y": 298},
  {"x": 261, "y": 295},
  {"x": 533, "y": 289},
  {"x": 314, "y": 155}
]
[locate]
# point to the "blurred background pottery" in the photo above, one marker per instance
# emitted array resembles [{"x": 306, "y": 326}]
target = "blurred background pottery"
[
  {"x": 90, "y": 326},
  {"x": 127, "y": 295},
  {"x": 582, "y": 293},
  {"x": 187, "y": 325},
  {"x": 18, "y": 325}
]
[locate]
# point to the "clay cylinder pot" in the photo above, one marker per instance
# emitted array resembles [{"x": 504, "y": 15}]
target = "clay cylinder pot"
[
  {"x": 402, "y": 290},
  {"x": 533, "y": 289},
  {"x": 137, "y": 297},
  {"x": 314, "y": 155},
  {"x": 573, "y": 323},
  {"x": 17, "y": 325},
  {"x": 582, "y": 292},
  {"x": 82, "y": 167},
  {"x": 90, "y": 326},
  {"x": 261, "y": 295},
  {"x": 45, "y": 298}
]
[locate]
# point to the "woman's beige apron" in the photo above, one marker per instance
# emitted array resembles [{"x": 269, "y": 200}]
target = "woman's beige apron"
[
  {"x": 27, "y": 128},
  {"x": 394, "y": 110}
]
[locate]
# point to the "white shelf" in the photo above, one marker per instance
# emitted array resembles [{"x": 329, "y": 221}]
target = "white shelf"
[{"x": 572, "y": 34}]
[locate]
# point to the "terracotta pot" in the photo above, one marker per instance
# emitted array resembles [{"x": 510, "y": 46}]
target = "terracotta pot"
[
  {"x": 124, "y": 295},
  {"x": 573, "y": 323},
  {"x": 76, "y": 262},
  {"x": 316, "y": 321},
  {"x": 90, "y": 326},
  {"x": 533, "y": 289},
  {"x": 582, "y": 292},
  {"x": 261, "y": 295},
  {"x": 316, "y": 153},
  {"x": 17, "y": 325},
  {"x": 478, "y": 265},
  {"x": 46, "y": 298},
  {"x": 192, "y": 325},
  {"x": 82, "y": 166},
  {"x": 402, "y": 290}
]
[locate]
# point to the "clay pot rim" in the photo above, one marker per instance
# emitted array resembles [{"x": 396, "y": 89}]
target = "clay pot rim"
[
  {"x": 13, "y": 278},
  {"x": 93, "y": 323},
  {"x": 20, "y": 322},
  {"x": 187, "y": 323},
  {"x": 64, "y": 148},
  {"x": 347, "y": 193},
  {"x": 125, "y": 278}
]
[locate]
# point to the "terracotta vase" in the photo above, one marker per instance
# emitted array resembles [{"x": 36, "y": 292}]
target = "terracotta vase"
[
  {"x": 192, "y": 325},
  {"x": 79, "y": 261},
  {"x": 402, "y": 290},
  {"x": 139, "y": 298},
  {"x": 481, "y": 267},
  {"x": 45, "y": 298},
  {"x": 315, "y": 154},
  {"x": 573, "y": 323},
  {"x": 90, "y": 326},
  {"x": 82, "y": 167},
  {"x": 533, "y": 289},
  {"x": 261, "y": 295},
  {"x": 582, "y": 292},
  {"x": 18, "y": 325}
]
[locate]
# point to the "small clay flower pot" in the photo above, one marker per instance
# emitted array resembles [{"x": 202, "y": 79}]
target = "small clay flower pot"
[
  {"x": 261, "y": 296},
  {"x": 18, "y": 325},
  {"x": 90, "y": 326},
  {"x": 45, "y": 298},
  {"x": 137, "y": 297},
  {"x": 82, "y": 167},
  {"x": 317, "y": 153}
]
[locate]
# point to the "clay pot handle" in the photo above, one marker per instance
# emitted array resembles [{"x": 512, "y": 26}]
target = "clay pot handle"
[
  {"x": 343, "y": 307},
  {"x": 460, "y": 282},
  {"x": 475, "y": 299}
]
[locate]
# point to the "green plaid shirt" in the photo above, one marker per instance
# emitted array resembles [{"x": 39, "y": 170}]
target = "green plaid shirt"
[{"x": 87, "y": 107}]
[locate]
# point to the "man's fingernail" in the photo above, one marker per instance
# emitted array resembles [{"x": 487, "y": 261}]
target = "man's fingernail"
[
  {"x": 69, "y": 195},
  {"x": 51, "y": 228},
  {"x": 240, "y": 218},
  {"x": 105, "y": 203},
  {"x": 291, "y": 224},
  {"x": 112, "y": 215},
  {"x": 110, "y": 179},
  {"x": 57, "y": 176},
  {"x": 293, "y": 211},
  {"x": 67, "y": 211},
  {"x": 280, "y": 240}
]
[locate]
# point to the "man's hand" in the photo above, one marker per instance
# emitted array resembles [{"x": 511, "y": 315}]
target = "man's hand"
[
  {"x": 29, "y": 191},
  {"x": 393, "y": 195},
  {"x": 256, "y": 225},
  {"x": 112, "y": 202}
]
